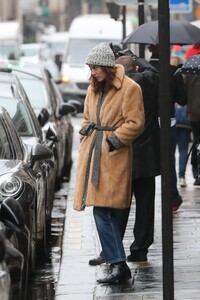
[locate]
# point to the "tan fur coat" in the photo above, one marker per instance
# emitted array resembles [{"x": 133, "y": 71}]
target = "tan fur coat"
[{"x": 121, "y": 108}]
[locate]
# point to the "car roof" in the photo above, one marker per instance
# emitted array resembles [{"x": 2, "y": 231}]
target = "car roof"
[{"x": 28, "y": 69}]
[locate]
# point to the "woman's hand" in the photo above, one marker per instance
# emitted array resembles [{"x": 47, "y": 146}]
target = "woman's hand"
[{"x": 105, "y": 146}]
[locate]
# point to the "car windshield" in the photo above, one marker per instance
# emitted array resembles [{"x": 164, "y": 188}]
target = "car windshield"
[
  {"x": 20, "y": 116},
  {"x": 56, "y": 45},
  {"x": 36, "y": 92},
  {"x": 29, "y": 51},
  {"x": 74, "y": 55}
]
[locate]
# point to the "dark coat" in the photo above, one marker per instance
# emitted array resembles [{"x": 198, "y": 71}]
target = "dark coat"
[
  {"x": 177, "y": 86},
  {"x": 146, "y": 148}
]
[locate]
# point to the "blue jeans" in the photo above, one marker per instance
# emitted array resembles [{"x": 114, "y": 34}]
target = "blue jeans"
[
  {"x": 109, "y": 234},
  {"x": 182, "y": 140}
]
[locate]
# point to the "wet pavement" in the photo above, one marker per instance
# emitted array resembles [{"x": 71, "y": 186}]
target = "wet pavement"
[
  {"x": 46, "y": 276},
  {"x": 77, "y": 280}
]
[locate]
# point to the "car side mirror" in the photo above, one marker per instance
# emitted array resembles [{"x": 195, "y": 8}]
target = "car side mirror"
[
  {"x": 79, "y": 106},
  {"x": 12, "y": 215},
  {"x": 66, "y": 109},
  {"x": 43, "y": 117},
  {"x": 53, "y": 134},
  {"x": 40, "y": 152}
]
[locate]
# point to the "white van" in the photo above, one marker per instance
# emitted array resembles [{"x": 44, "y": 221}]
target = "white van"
[
  {"x": 10, "y": 39},
  {"x": 86, "y": 32},
  {"x": 56, "y": 43}
]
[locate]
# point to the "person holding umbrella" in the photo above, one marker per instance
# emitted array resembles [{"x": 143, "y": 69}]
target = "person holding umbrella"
[
  {"x": 178, "y": 95},
  {"x": 183, "y": 131},
  {"x": 146, "y": 164},
  {"x": 191, "y": 71}
]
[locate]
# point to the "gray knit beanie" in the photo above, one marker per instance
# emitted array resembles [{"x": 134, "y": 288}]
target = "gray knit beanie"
[{"x": 101, "y": 55}]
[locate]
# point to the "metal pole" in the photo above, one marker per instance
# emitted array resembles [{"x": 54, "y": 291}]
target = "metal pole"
[
  {"x": 165, "y": 144},
  {"x": 123, "y": 24},
  {"x": 124, "y": 21},
  {"x": 141, "y": 21}
]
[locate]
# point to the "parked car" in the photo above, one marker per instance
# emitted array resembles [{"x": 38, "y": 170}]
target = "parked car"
[
  {"x": 43, "y": 92},
  {"x": 12, "y": 225},
  {"x": 16, "y": 181},
  {"x": 33, "y": 158}
]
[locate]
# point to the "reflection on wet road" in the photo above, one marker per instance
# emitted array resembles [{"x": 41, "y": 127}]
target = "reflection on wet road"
[{"x": 46, "y": 276}]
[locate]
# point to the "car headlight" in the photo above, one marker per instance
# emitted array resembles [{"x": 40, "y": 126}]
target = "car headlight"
[{"x": 11, "y": 186}]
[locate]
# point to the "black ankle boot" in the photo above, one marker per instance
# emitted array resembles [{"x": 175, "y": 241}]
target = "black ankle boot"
[
  {"x": 97, "y": 261},
  {"x": 119, "y": 272}
]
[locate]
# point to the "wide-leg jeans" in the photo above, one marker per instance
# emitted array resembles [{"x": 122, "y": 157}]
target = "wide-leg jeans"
[{"x": 109, "y": 235}]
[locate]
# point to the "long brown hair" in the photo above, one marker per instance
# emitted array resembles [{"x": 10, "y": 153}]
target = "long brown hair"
[{"x": 107, "y": 84}]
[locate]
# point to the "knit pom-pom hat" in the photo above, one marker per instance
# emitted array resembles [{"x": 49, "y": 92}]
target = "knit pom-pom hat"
[{"x": 101, "y": 55}]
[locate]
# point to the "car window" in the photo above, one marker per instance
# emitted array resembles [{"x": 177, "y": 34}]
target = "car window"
[
  {"x": 57, "y": 96},
  {"x": 19, "y": 115},
  {"x": 36, "y": 92},
  {"x": 5, "y": 150}
]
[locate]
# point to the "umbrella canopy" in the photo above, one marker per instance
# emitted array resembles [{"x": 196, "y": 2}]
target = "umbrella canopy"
[
  {"x": 191, "y": 66},
  {"x": 181, "y": 33}
]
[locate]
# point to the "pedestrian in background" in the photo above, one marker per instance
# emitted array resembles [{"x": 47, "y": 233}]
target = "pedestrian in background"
[
  {"x": 183, "y": 139},
  {"x": 113, "y": 119},
  {"x": 183, "y": 131},
  {"x": 177, "y": 95},
  {"x": 192, "y": 83},
  {"x": 146, "y": 163}
]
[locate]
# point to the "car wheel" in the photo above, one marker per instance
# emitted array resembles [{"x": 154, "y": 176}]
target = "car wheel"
[{"x": 58, "y": 183}]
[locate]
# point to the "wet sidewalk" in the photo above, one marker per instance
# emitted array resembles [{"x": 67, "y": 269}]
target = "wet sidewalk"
[{"x": 77, "y": 280}]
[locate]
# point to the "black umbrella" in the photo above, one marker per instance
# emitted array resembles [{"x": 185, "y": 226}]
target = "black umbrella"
[
  {"x": 181, "y": 33},
  {"x": 191, "y": 66}
]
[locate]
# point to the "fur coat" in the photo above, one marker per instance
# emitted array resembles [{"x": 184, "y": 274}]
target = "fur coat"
[{"x": 123, "y": 110}]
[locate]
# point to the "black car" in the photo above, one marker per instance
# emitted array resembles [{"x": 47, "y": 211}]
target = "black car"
[
  {"x": 18, "y": 180},
  {"x": 36, "y": 157},
  {"x": 14, "y": 279}
]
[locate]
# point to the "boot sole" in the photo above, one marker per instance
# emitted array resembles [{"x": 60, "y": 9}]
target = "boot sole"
[
  {"x": 96, "y": 263},
  {"x": 114, "y": 281}
]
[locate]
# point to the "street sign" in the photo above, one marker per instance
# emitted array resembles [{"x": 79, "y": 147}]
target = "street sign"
[
  {"x": 176, "y": 6},
  {"x": 180, "y": 6},
  {"x": 129, "y": 2}
]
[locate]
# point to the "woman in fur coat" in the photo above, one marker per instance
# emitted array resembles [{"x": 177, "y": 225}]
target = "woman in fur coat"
[{"x": 113, "y": 119}]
